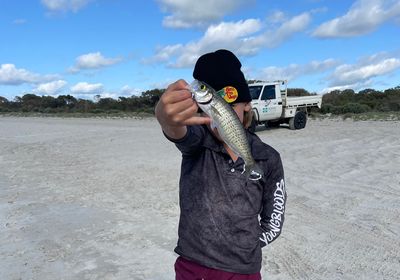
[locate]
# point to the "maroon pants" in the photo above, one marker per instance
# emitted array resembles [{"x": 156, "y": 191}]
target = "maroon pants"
[{"x": 188, "y": 270}]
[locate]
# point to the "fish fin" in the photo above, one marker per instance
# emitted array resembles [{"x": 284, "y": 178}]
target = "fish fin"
[{"x": 253, "y": 172}]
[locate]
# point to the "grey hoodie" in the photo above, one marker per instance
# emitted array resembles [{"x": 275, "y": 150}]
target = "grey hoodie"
[{"x": 225, "y": 218}]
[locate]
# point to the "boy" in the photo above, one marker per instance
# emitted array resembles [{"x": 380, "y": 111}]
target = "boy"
[{"x": 220, "y": 233}]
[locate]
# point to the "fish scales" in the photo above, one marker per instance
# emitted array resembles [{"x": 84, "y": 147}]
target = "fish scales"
[
  {"x": 230, "y": 128},
  {"x": 228, "y": 124}
]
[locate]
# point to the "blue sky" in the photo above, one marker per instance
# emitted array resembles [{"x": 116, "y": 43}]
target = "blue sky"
[{"x": 120, "y": 48}]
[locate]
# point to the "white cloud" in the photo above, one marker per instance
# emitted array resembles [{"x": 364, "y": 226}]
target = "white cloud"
[
  {"x": 292, "y": 26},
  {"x": 188, "y": 13},
  {"x": 10, "y": 75},
  {"x": 229, "y": 35},
  {"x": 276, "y": 17},
  {"x": 362, "y": 74},
  {"x": 86, "y": 88},
  {"x": 363, "y": 17},
  {"x": 241, "y": 37},
  {"x": 162, "y": 84},
  {"x": 129, "y": 91},
  {"x": 275, "y": 34},
  {"x": 112, "y": 95},
  {"x": 355, "y": 86},
  {"x": 51, "y": 88},
  {"x": 165, "y": 53},
  {"x": 363, "y": 71},
  {"x": 92, "y": 61},
  {"x": 97, "y": 91},
  {"x": 350, "y": 86},
  {"x": 65, "y": 5},
  {"x": 294, "y": 71}
]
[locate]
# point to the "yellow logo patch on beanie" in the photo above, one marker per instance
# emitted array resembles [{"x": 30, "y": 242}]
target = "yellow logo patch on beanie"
[{"x": 229, "y": 94}]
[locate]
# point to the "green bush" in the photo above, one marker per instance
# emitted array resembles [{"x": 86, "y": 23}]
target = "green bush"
[
  {"x": 355, "y": 108},
  {"x": 326, "y": 108},
  {"x": 49, "y": 111},
  {"x": 97, "y": 111}
]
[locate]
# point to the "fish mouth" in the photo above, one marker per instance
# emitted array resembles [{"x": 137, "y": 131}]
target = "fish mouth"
[{"x": 205, "y": 102}]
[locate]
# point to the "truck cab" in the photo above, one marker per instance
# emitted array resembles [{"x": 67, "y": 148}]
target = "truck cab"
[{"x": 266, "y": 100}]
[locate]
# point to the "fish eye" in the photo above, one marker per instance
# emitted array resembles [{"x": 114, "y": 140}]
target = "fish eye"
[{"x": 203, "y": 87}]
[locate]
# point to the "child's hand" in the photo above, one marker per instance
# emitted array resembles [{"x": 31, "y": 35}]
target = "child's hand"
[{"x": 177, "y": 108}]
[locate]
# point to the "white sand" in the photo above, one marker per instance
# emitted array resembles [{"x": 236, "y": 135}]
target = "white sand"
[{"x": 98, "y": 199}]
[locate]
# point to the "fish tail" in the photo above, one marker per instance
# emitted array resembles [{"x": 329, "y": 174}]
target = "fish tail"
[{"x": 253, "y": 172}]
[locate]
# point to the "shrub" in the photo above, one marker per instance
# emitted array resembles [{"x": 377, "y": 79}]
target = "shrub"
[
  {"x": 96, "y": 111},
  {"x": 326, "y": 108},
  {"x": 355, "y": 108}
]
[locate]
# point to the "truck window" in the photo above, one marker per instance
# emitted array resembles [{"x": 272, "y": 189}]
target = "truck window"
[
  {"x": 268, "y": 92},
  {"x": 255, "y": 91}
]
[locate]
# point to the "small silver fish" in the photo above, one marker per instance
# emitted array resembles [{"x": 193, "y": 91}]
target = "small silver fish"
[{"x": 228, "y": 124}]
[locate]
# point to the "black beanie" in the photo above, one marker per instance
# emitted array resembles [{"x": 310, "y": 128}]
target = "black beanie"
[{"x": 221, "y": 69}]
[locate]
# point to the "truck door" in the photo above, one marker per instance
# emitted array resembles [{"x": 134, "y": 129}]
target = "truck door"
[{"x": 270, "y": 103}]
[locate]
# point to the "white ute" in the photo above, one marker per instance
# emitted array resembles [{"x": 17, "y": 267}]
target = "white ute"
[{"x": 271, "y": 105}]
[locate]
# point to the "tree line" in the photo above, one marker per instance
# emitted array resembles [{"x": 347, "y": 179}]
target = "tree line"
[
  {"x": 69, "y": 104},
  {"x": 367, "y": 100},
  {"x": 334, "y": 102}
]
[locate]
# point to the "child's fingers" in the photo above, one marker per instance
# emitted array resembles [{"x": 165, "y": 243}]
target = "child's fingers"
[
  {"x": 176, "y": 92},
  {"x": 171, "y": 97},
  {"x": 197, "y": 120},
  {"x": 183, "y": 109}
]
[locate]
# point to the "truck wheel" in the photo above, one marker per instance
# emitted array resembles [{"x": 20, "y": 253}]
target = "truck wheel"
[{"x": 298, "y": 121}]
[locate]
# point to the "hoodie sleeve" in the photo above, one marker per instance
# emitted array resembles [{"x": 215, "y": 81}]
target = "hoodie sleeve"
[
  {"x": 274, "y": 201},
  {"x": 192, "y": 142}
]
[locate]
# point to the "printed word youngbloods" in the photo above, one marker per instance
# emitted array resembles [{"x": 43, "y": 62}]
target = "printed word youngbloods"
[{"x": 275, "y": 223}]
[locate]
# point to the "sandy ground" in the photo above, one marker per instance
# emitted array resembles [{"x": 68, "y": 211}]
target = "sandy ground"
[{"x": 98, "y": 199}]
